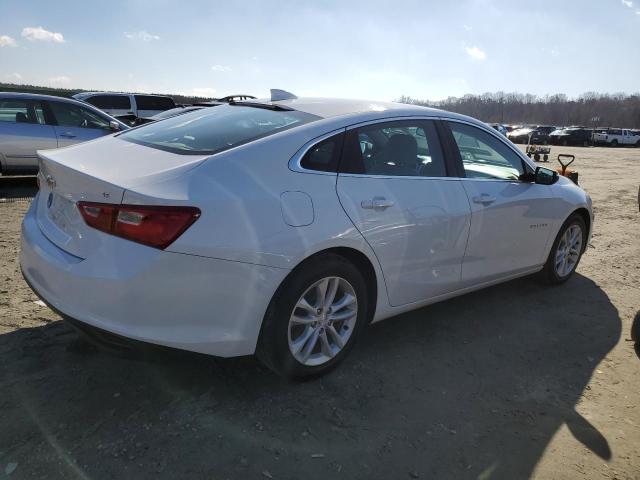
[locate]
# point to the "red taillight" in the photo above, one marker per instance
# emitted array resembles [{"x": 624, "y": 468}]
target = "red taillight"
[{"x": 155, "y": 226}]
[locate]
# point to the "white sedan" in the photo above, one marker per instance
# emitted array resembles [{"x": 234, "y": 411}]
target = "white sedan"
[{"x": 282, "y": 227}]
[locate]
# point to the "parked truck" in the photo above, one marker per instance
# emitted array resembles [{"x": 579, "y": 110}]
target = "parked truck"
[{"x": 616, "y": 136}]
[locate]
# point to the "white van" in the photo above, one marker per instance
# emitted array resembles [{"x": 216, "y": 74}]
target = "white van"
[{"x": 127, "y": 104}]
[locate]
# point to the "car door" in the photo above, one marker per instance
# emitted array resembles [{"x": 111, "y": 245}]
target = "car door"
[
  {"x": 511, "y": 217},
  {"x": 393, "y": 185},
  {"x": 75, "y": 123},
  {"x": 23, "y": 131}
]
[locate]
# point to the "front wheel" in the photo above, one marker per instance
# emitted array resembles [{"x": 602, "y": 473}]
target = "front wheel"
[
  {"x": 314, "y": 318},
  {"x": 566, "y": 251}
]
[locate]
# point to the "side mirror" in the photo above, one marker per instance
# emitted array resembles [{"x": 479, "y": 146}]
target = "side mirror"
[
  {"x": 114, "y": 126},
  {"x": 545, "y": 176}
]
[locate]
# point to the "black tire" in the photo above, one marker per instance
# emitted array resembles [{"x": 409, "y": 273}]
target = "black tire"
[
  {"x": 536, "y": 157},
  {"x": 548, "y": 273},
  {"x": 273, "y": 346},
  {"x": 614, "y": 143},
  {"x": 638, "y": 144},
  {"x": 546, "y": 157}
]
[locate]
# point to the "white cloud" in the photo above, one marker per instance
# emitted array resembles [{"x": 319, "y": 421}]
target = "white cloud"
[
  {"x": 7, "y": 41},
  {"x": 221, "y": 68},
  {"x": 40, "y": 34},
  {"x": 555, "y": 52},
  {"x": 141, "y": 35},
  {"x": 637, "y": 12},
  {"x": 467, "y": 28},
  {"x": 59, "y": 81},
  {"x": 202, "y": 92},
  {"x": 13, "y": 76},
  {"x": 475, "y": 53},
  {"x": 627, "y": 3}
]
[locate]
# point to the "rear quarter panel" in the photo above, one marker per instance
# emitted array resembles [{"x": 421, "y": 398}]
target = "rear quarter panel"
[{"x": 239, "y": 194}]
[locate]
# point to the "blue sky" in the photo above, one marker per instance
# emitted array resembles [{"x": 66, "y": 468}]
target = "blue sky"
[{"x": 364, "y": 49}]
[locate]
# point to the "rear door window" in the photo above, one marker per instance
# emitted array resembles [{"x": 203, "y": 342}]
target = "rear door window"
[
  {"x": 408, "y": 148},
  {"x": 21, "y": 111},
  {"x": 150, "y": 102},
  {"x": 213, "y": 130}
]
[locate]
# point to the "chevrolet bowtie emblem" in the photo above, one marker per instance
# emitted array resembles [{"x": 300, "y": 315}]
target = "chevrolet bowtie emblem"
[{"x": 51, "y": 182}]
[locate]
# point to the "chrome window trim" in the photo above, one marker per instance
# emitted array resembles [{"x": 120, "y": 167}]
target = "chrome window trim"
[
  {"x": 394, "y": 119},
  {"x": 294, "y": 162},
  {"x": 403, "y": 177}
]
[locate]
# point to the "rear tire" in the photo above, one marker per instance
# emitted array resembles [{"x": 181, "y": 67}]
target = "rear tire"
[
  {"x": 282, "y": 346},
  {"x": 614, "y": 143},
  {"x": 566, "y": 251}
]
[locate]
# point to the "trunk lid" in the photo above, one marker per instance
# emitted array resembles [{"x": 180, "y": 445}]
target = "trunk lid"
[{"x": 99, "y": 171}]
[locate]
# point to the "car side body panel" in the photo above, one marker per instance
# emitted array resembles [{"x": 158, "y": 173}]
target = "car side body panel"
[{"x": 209, "y": 290}]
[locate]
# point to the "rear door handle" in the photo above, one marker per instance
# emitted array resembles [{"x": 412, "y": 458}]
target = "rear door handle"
[
  {"x": 67, "y": 135},
  {"x": 484, "y": 199},
  {"x": 376, "y": 203}
]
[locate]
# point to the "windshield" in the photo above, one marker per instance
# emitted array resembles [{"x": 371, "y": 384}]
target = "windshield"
[{"x": 213, "y": 130}]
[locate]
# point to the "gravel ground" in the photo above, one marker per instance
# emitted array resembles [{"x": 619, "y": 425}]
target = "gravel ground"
[{"x": 515, "y": 381}]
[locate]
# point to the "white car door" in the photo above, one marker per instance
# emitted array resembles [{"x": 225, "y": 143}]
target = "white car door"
[
  {"x": 511, "y": 219},
  {"x": 393, "y": 185}
]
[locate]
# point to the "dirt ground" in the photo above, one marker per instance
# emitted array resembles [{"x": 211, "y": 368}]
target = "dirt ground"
[{"x": 516, "y": 381}]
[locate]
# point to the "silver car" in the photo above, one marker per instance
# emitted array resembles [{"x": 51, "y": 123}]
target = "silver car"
[{"x": 30, "y": 122}]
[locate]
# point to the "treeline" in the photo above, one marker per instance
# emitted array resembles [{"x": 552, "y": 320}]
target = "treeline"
[
  {"x": 589, "y": 109},
  {"x": 69, "y": 92}
]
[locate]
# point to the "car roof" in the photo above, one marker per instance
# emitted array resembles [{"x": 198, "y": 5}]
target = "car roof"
[
  {"x": 39, "y": 96},
  {"x": 333, "y": 107},
  {"x": 90, "y": 94}
]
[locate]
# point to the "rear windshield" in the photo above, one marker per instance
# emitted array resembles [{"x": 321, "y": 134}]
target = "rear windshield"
[{"x": 212, "y": 130}]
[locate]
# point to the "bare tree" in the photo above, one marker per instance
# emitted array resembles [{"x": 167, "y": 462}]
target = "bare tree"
[{"x": 589, "y": 109}]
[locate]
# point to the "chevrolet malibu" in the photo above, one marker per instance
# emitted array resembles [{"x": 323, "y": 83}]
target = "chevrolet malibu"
[{"x": 283, "y": 227}]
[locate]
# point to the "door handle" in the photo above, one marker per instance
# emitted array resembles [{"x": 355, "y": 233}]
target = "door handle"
[
  {"x": 376, "y": 203},
  {"x": 484, "y": 199},
  {"x": 67, "y": 135}
]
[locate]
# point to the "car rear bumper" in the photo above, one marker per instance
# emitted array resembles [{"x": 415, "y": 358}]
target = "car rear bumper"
[{"x": 181, "y": 301}]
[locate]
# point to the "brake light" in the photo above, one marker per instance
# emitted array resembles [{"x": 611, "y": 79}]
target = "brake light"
[{"x": 154, "y": 226}]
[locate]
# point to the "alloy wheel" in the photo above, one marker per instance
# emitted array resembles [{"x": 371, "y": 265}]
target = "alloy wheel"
[
  {"x": 568, "y": 251},
  {"x": 322, "y": 321}
]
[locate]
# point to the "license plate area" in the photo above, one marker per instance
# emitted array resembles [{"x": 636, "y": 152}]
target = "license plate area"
[{"x": 62, "y": 212}]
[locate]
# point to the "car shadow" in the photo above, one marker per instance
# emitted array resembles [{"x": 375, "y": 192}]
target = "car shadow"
[
  {"x": 635, "y": 333},
  {"x": 474, "y": 387}
]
